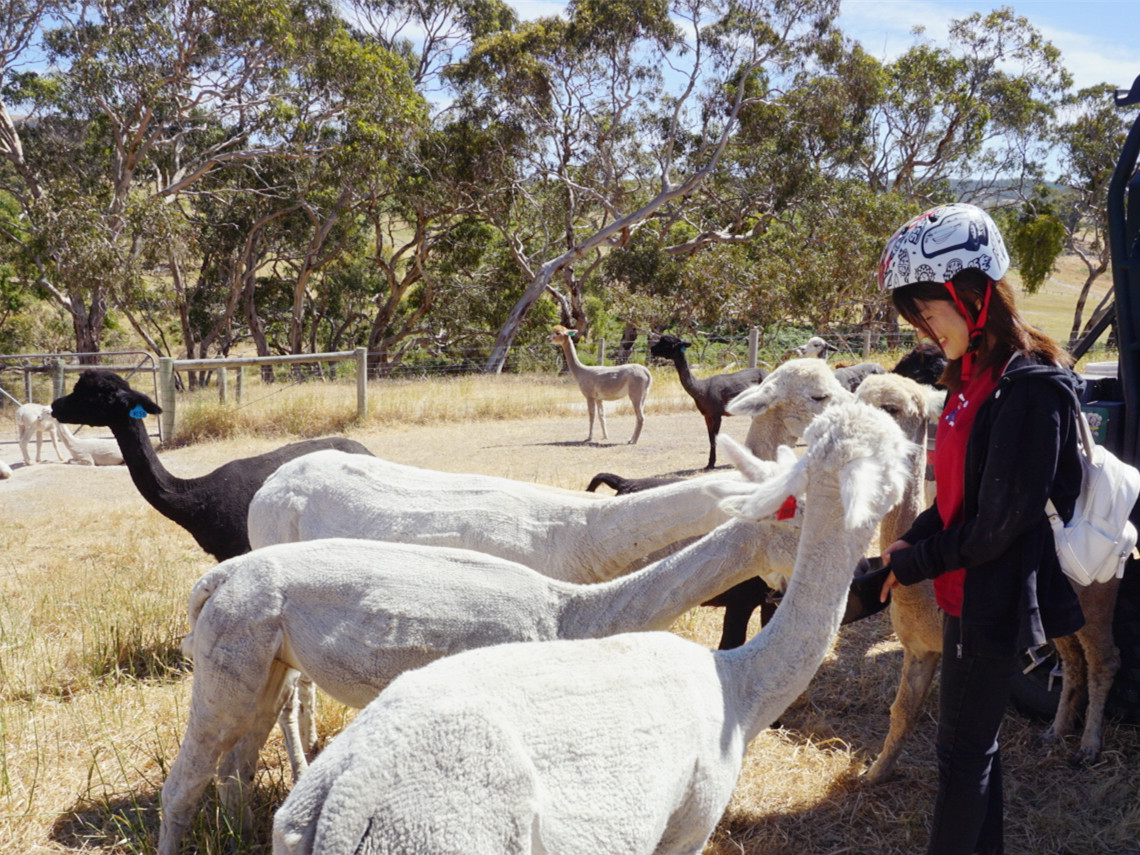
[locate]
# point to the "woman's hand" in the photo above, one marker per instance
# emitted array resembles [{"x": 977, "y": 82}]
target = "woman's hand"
[{"x": 890, "y": 582}]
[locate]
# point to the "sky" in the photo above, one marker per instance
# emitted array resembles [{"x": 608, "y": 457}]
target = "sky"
[{"x": 1099, "y": 40}]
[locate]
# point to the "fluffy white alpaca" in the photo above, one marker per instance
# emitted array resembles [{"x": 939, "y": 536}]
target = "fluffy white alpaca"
[
  {"x": 627, "y": 744},
  {"x": 352, "y": 615},
  {"x": 786, "y": 401},
  {"x": 36, "y": 420},
  {"x": 605, "y": 383},
  {"x": 91, "y": 451}
]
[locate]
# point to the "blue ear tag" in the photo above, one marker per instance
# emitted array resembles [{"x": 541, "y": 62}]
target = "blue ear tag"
[{"x": 137, "y": 412}]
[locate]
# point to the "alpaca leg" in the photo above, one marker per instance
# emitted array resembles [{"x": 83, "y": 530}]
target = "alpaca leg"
[
  {"x": 1074, "y": 685},
  {"x": 917, "y": 674},
  {"x": 53, "y": 434},
  {"x": 25, "y": 438},
  {"x": 307, "y": 715},
  {"x": 639, "y": 413},
  {"x": 1103, "y": 661},
  {"x": 217, "y": 723},
  {"x": 712, "y": 424},
  {"x": 239, "y": 766},
  {"x": 591, "y": 408},
  {"x": 602, "y": 418},
  {"x": 289, "y": 720}
]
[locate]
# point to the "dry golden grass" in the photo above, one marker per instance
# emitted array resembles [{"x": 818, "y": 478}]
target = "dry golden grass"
[{"x": 94, "y": 694}]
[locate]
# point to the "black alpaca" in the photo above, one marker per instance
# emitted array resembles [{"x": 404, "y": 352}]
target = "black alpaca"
[
  {"x": 621, "y": 486},
  {"x": 212, "y": 508},
  {"x": 924, "y": 363},
  {"x": 711, "y": 394}
]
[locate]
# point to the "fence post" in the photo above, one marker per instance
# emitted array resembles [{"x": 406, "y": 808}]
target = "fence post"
[
  {"x": 866, "y": 342},
  {"x": 239, "y": 372},
  {"x": 27, "y": 384},
  {"x": 58, "y": 383},
  {"x": 166, "y": 397},
  {"x": 753, "y": 346},
  {"x": 361, "y": 382},
  {"x": 601, "y": 352},
  {"x": 222, "y": 384}
]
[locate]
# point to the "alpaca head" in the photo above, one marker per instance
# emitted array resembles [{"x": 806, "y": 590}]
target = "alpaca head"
[
  {"x": 924, "y": 364},
  {"x": 560, "y": 334},
  {"x": 901, "y": 398},
  {"x": 102, "y": 399},
  {"x": 668, "y": 347},
  {"x": 859, "y": 446},
  {"x": 815, "y": 347},
  {"x": 796, "y": 392}
]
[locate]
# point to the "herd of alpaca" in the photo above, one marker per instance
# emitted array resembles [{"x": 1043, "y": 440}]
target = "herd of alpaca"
[
  {"x": 629, "y": 743},
  {"x": 542, "y": 611}
]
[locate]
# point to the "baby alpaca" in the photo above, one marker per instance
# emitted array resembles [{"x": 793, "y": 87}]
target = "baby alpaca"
[
  {"x": 352, "y": 615},
  {"x": 631, "y": 743},
  {"x": 607, "y": 383},
  {"x": 36, "y": 420},
  {"x": 91, "y": 451}
]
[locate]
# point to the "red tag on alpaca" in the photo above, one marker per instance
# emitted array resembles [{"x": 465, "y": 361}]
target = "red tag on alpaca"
[{"x": 788, "y": 509}]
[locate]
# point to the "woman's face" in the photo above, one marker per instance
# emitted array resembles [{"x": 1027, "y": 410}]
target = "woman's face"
[{"x": 951, "y": 330}]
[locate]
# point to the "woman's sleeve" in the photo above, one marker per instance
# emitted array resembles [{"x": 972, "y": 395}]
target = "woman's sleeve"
[{"x": 1018, "y": 471}]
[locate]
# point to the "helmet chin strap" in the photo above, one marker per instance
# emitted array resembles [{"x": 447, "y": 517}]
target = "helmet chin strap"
[{"x": 977, "y": 328}]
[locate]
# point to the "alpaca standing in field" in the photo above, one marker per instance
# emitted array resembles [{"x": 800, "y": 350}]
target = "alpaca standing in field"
[
  {"x": 213, "y": 507},
  {"x": 607, "y": 383},
  {"x": 710, "y": 394},
  {"x": 628, "y": 744}
]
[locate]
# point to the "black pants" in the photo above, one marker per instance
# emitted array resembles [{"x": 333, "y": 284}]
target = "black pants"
[{"x": 973, "y": 697}]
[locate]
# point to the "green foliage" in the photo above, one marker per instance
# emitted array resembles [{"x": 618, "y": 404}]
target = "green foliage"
[{"x": 1035, "y": 240}]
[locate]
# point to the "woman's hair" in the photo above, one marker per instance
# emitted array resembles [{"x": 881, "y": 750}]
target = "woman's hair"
[{"x": 1006, "y": 330}]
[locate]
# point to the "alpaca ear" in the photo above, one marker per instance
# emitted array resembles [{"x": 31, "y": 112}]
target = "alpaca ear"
[
  {"x": 751, "y": 402},
  {"x": 130, "y": 399},
  {"x": 763, "y": 500},
  {"x": 752, "y": 467},
  {"x": 867, "y": 492}
]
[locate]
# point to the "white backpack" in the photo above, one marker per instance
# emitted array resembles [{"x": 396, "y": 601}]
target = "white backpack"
[{"x": 1099, "y": 538}]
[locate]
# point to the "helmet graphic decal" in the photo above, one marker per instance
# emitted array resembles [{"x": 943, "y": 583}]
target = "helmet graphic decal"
[{"x": 938, "y": 244}]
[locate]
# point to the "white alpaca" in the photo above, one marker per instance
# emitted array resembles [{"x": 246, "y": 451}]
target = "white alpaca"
[
  {"x": 627, "y": 744},
  {"x": 785, "y": 402},
  {"x": 91, "y": 451},
  {"x": 564, "y": 534},
  {"x": 36, "y": 420},
  {"x": 814, "y": 347},
  {"x": 5, "y": 470},
  {"x": 607, "y": 383},
  {"x": 352, "y": 615}
]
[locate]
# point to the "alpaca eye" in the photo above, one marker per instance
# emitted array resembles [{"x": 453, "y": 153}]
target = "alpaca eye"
[
  {"x": 818, "y": 398},
  {"x": 891, "y": 411}
]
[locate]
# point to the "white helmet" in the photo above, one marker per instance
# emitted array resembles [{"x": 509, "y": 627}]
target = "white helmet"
[{"x": 935, "y": 246}]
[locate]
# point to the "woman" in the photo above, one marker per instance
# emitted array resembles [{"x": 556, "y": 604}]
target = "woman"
[{"x": 1006, "y": 443}]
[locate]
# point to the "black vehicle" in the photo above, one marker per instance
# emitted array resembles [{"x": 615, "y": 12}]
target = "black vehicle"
[{"x": 1038, "y": 689}]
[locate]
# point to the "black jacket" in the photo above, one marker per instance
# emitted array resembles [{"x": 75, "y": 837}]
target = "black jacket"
[{"x": 1022, "y": 450}]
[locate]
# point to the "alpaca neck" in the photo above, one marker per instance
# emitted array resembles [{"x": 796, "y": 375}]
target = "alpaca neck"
[
  {"x": 626, "y": 528},
  {"x": 767, "y": 433},
  {"x": 156, "y": 485},
  {"x": 573, "y": 364},
  {"x": 653, "y": 597},
  {"x": 684, "y": 373},
  {"x": 775, "y": 667}
]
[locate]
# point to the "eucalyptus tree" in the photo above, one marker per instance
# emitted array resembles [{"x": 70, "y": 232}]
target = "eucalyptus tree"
[
  {"x": 1089, "y": 141},
  {"x": 626, "y": 108},
  {"x": 146, "y": 99},
  {"x": 970, "y": 118}
]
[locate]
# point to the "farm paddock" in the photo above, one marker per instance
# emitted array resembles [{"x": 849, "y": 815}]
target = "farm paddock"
[{"x": 93, "y": 696}]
